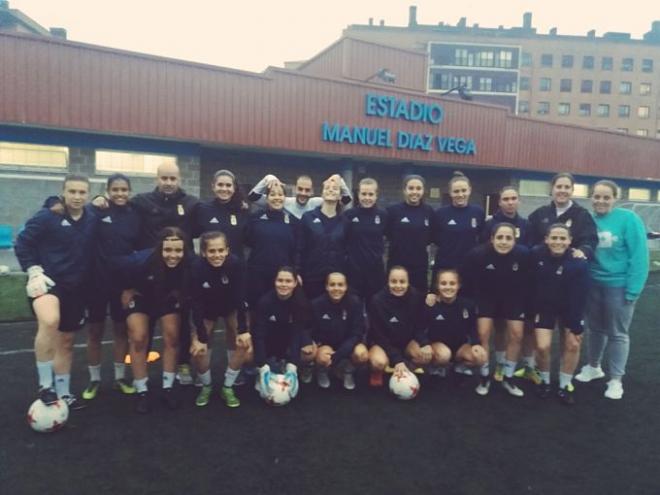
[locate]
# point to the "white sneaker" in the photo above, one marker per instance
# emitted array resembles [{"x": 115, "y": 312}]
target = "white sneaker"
[
  {"x": 184, "y": 375},
  {"x": 589, "y": 373},
  {"x": 614, "y": 390},
  {"x": 484, "y": 387},
  {"x": 463, "y": 370},
  {"x": 349, "y": 380},
  {"x": 511, "y": 387},
  {"x": 306, "y": 374},
  {"x": 322, "y": 378},
  {"x": 440, "y": 371}
]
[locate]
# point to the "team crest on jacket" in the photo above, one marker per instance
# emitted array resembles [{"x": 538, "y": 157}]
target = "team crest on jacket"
[
  {"x": 286, "y": 218},
  {"x": 377, "y": 220},
  {"x": 233, "y": 220},
  {"x": 107, "y": 219},
  {"x": 344, "y": 315},
  {"x": 466, "y": 314},
  {"x": 180, "y": 210},
  {"x": 537, "y": 318},
  {"x": 426, "y": 222},
  {"x": 474, "y": 223},
  {"x": 515, "y": 267},
  {"x": 224, "y": 280},
  {"x": 517, "y": 232},
  {"x": 560, "y": 270},
  {"x": 214, "y": 220},
  {"x": 569, "y": 222}
]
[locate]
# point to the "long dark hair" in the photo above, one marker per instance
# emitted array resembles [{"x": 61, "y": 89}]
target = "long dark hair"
[
  {"x": 237, "y": 203},
  {"x": 161, "y": 273}
]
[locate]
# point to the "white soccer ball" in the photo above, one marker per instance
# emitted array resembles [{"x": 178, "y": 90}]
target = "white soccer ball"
[
  {"x": 279, "y": 390},
  {"x": 46, "y": 419},
  {"x": 404, "y": 385}
]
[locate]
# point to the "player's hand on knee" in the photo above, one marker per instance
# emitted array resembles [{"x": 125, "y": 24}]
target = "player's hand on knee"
[
  {"x": 307, "y": 351},
  {"x": 38, "y": 282},
  {"x": 127, "y": 297},
  {"x": 198, "y": 348},
  {"x": 244, "y": 341},
  {"x": 426, "y": 352}
]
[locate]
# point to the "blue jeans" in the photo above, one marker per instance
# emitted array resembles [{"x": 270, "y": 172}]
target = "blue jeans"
[{"x": 608, "y": 318}]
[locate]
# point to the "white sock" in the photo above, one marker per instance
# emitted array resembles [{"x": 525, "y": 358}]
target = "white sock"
[
  {"x": 45, "y": 372},
  {"x": 484, "y": 370},
  {"x": 168, "y": 379},
  {"x": 62, "y": 385},
  {"x": 94, "y": 373},
  {"x": 529, "y": 361},
  {"x": 230, "y": 376},
  {"x": 509, "y": 368},
  {"x": 120, "y": 371},
  {"x": 140, "y": 385},
  {"x": 500, "y": 356},
  {"x": 565, "y": 379},
  {"x": 205, "y": 377},
  {"x": 545, "y": 377}
]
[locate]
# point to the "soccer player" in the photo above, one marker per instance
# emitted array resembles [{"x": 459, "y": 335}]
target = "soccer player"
[
  {"x": 118, "y": 232},
  {"x": 57, "y": 253},
  {"x": 452, "y": 325},
  {"x": 365, "y": 242},
  {"x": 497, "y": 274},
  {"x": 560, "y": 284},
  {"x": 218, "y": 290},
  {"x": 396, "y": 327},
  {"x": 338, "y": 332},
  {"x": 456, "y": 227},
  {"x": 156, "y": 288},
  {"x": 619, "y": 271},
  {"x": 322, "y": 247},
  {"x": 303, "y": 200},
  {"x": 284, "y": 316},
  {"x": 409, "y": 232}
]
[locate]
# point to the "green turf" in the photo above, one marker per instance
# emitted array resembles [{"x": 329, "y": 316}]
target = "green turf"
[{"x": 13, "y": 301}]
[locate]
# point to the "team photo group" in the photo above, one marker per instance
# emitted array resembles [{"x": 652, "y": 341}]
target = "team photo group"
[{"x": 310, "y": 289}]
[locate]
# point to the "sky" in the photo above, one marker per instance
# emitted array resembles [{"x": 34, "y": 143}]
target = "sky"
[{"x": 252, "y": 35}]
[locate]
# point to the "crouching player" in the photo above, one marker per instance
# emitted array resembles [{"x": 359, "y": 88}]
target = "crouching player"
[
  {"x": 56, "y": 251},
  {"x": 156, "y": 283},
  {"x": 337, "y": 332},
  {"x": 218, "y": 290},
  {"x": 283, "y": 317},
  {"x": 452, "y": 325},
  {"x": 397, "y": 331},
  {"x": 559, "y": 297}
]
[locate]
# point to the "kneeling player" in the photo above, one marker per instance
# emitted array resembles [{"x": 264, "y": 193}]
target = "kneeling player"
[
  {"x": 560, "y": 290},
  {"x": 218, "y": 290},
  {"x": 452, "y": 325},
  {"x": 396, "y": 327},
  {"x": 338, "y": 331}
]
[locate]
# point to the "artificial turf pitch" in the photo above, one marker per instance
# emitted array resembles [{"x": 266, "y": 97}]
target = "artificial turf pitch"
[{"x": 448, "y": 440}]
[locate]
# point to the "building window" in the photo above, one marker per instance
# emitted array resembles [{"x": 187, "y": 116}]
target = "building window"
[
  {"x": 533, "y": 187},
  {"x": 644, "y": 89},
  {"x": 605, "y": 87},
  {"x": 586, "y": 86},
  {"x": 639, "y": 194},
  {"x": 505, "y": 59},
  {"x": 565, "y": 85},
  {"x": 580, "y": 190},
  {"x": 544, "y": 108},
  {"x": 625, "y": 87},
  {"x": 564, "y": 109},
  {"x": 642, "y": 132},
  {"x": 647, "y": 65},
  {"x": 567, "y": 61},
  {"x": 33, "y": 155},
  {"x": 607, "y": 63},
  {"x": 643, "y": 112},
  {"x": 524, "y": 83},
  {"x": 603, "y": 110},
  {"x": 545, "y": 84},
  {"x": 127, "y": 162},
  {"x": 485, "y": 84},
  {"x": 585, "y": 109},
  {"x": 546, "y": 60},
  {"x": 523, "y": 106},
  {"x": 588, "y": 62},
  {"x": 624, "y": 111},
  {"x": 485, "y": 59},
  {"x": 627, "y": 64},
  {"x": 526, "y": 59},
  {"x": 461, "y": 56}
]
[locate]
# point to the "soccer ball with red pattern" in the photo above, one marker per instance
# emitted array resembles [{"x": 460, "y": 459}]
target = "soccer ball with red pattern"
[
  {"x": 404, "y": 385},
  {"x": 46, "y": 419}
]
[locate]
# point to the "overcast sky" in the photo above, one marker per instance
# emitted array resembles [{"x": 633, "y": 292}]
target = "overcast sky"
[{"x": 251, "y": 35}]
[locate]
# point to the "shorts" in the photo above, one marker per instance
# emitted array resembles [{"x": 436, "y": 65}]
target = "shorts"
[
  {"x": 97, "y": 306},
  {"x": 552, "y": 320},
  {"x": 220, "y": 309},
  {"x": 73, "y": 314},
  {"x": 144, "y": 305},
  {"x": 505, "y": 309},
  {"x": 453, "y": 343},
  {"x": 259, "y": 283}
]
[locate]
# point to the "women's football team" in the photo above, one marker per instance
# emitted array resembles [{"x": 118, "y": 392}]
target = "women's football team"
[{"x": 314, "y": 294}]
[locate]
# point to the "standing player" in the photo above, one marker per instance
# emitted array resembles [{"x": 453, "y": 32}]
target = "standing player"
[
  {"x": 218, "y": 290},
  {"x": 57, "y": 252},
  {"x": 560, "y": 285},
  {"x": 365, "y": 242},
  {"x": 409, "y": 233},
  {"x": 338, "y": 331},
  {"x": 452, "y": 325},
  {"x": 497, "y": 275},
  {"x": 456, "y": 227},
  {"x": 396, "y": 327},
  {"x": 303, "y": 200},
  {"x": 619, "y": 271},
  {"x": 157, "y": 288},
  {"x": 118, "y": 231}
]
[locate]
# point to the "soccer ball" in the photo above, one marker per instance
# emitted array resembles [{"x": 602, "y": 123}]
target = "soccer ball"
[
  {"x": 404, "y": 385},
  {"x": 279, "y": 390},
  {"x": 46, "y": 419}
]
